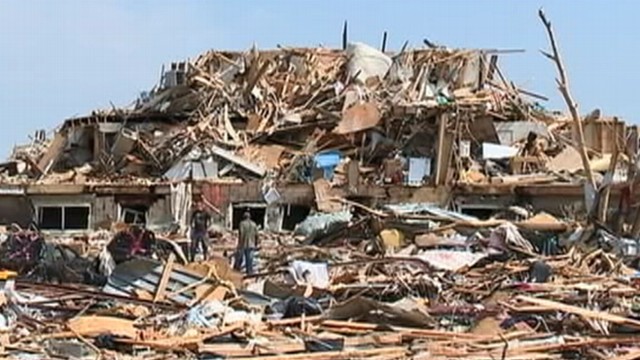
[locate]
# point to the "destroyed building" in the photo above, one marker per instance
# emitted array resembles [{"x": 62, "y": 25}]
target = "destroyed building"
[
  {"x": 438, "y": 211},
  {"x": 293, "y": 131}
]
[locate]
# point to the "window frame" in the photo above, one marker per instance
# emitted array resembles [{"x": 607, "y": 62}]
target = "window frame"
[
  {"x": 122, "y": 209},
  {"x": 63, "y": 206}
]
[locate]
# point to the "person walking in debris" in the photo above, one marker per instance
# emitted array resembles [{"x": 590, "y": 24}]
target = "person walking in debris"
[
  {"x": 200, "y": 222},
  {"x": 247, "y": 244}
]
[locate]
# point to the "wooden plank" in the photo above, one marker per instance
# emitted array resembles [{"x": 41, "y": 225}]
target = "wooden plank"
[
  {"x": 442, "y": 126},
  {"x": 325, "y": 195},
  {"x": 164, "y": 280},
  {"x": 634, "y": 354},
  {"x": 358, "y": 118},
  {"x": 585, "y": 343},
  {"x": 289, "y": 346},
  {"x": 445, "y": 151},
  {"x": 229, "y": 156},
  {"x": 389, "y": 352},
  {"x": 413, "y": 332},
  {"x": 53, "y": 152},
  {"x": 353, "y": 176},
  {"x": 99, "y": 325},
  {"x": 231, "y": 131},
  {"x": 294, "y": 321},
  {"x": 604, "y": 197},
  {"x": 593, "y": 314}
]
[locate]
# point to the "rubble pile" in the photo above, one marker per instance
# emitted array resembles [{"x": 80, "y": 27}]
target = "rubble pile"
[
  {"x": 402, "y": 281},
  {"x": 459, "y": 288},
  {"x": 420, "y": 116},
  {"x": 433, "y": 210}
]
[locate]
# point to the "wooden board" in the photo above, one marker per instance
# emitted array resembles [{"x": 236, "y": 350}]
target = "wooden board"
[
  {"x": 324, "y": 195},
  {"x": 164, "y": 280},
  {"x": 358, "y": 118},
  {"x": 99, "y": 325},
  {"x": 53, "y": 152},
  {"x": 592, "y": 314}
]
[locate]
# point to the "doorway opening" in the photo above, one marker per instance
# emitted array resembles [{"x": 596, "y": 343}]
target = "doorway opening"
[
  {"x": 293, "y": 215},
  {"x": 258, "y": 213}
]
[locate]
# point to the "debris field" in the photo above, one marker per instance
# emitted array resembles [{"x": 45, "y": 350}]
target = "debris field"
[{"x": 412, "y": 204}]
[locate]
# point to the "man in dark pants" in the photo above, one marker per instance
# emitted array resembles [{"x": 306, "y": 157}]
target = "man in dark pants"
[
  {"x": 200, "y": 221},
  {"x": 247, "y": 243}
]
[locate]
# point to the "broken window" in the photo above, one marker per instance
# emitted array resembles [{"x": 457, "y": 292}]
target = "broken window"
[
  {"x": 134, "y": 214},
  {"x": 63, "y": 217},
  {"x": 50, "y": 218},
  {"x": 76, "y": 217}
]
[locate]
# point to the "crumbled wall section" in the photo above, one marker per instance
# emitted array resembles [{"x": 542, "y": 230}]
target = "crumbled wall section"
[
  {"x": 105, "y": 212},
  {"x": 160, "y": 211},
  {"x": 15, "y": 210}
]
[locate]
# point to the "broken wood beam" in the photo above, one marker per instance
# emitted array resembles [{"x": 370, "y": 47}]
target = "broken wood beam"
[
  {"x": 231, "y": 157},
  {"x": 605, "y": 195},
  {"x": 389, "y": 352},
  {"x": 164, "y": 280},
  {"x": 591, "y": 314}
]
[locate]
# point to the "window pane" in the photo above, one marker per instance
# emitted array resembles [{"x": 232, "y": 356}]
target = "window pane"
[
  {"x": 50, "y": 218},
  {"x": 76, "y": 217}
]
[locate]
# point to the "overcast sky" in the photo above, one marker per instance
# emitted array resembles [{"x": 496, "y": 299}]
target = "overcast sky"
[{"x": 63, "y": 58}]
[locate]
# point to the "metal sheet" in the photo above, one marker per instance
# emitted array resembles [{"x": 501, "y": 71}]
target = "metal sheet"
[
  {"x": 180, "y": 171},
  {"x": 210, "y": 168},
  {"x": 197, "y": 171},
  {"x": 145, "y": 274},
  {"x": 428, "y": 208}
]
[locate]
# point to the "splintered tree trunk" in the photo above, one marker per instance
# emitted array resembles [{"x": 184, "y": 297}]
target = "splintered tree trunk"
[{"x": 563, "y": 86}]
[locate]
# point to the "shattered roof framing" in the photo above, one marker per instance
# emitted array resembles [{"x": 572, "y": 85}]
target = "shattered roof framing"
[
  {"x": 231, "y": 99},
  {"x": 266, "y": 114},
  {"x": 404, "y": 135}
]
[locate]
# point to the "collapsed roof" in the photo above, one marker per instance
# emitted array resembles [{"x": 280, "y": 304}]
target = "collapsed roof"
[{"x": 281, "y": 113}]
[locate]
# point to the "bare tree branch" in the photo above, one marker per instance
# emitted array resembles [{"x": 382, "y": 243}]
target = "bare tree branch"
[
  {"x": 549, "y": 56},
  {"x": 563, "y": 86}
]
